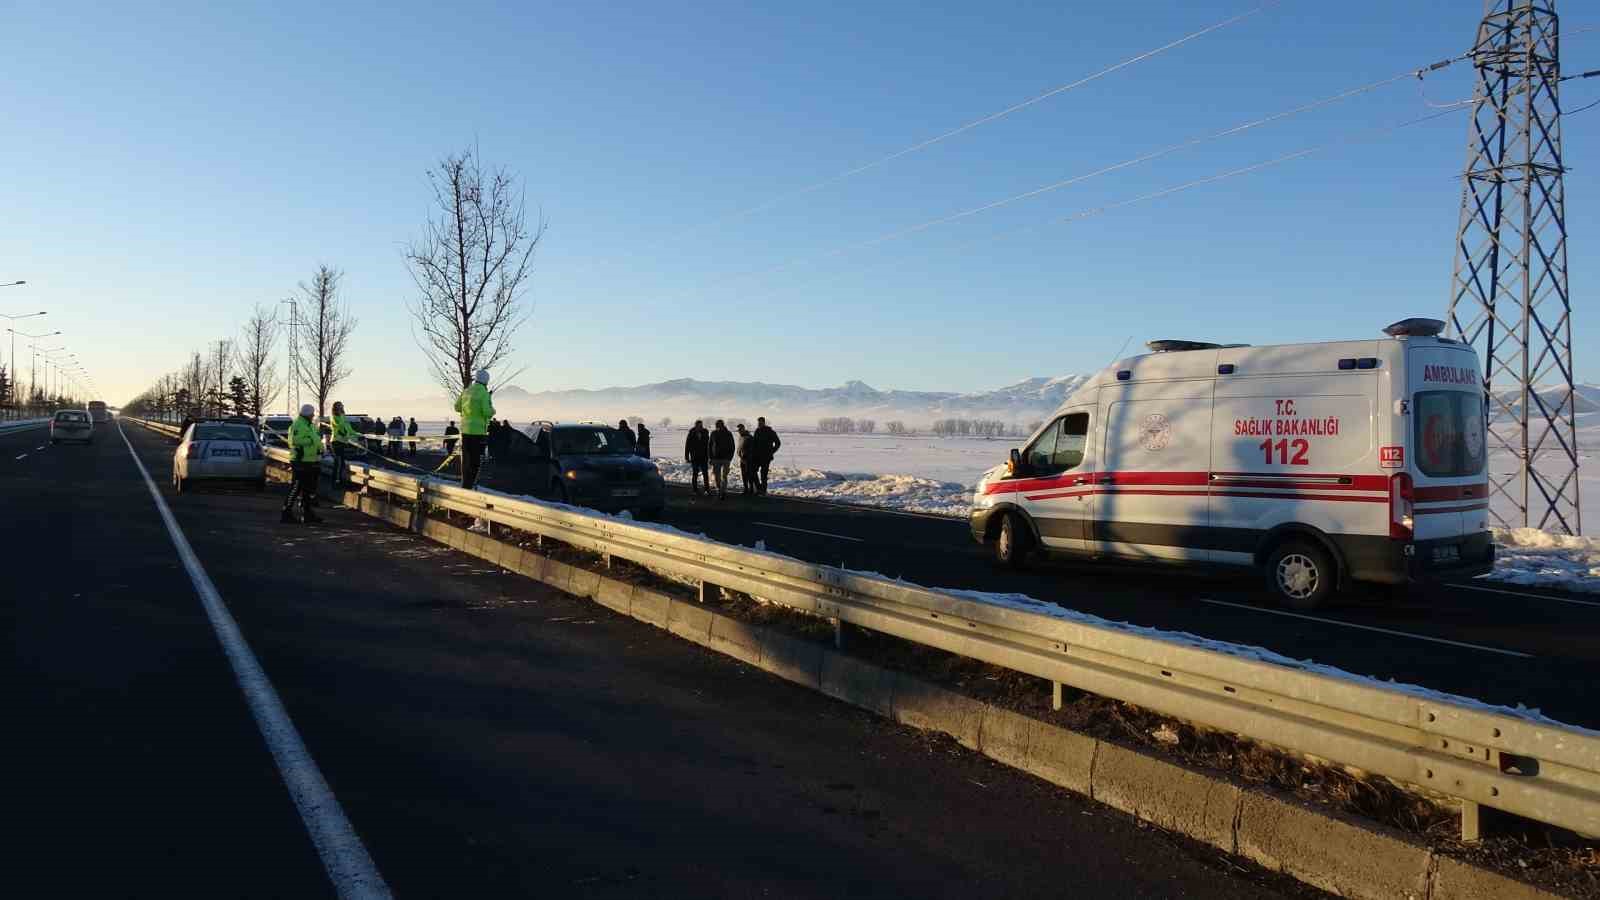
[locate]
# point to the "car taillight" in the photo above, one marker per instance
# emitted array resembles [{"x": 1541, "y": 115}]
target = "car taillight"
[
  {"x": 1400, "y": 507},
  {"x": 194, "y": 450}
]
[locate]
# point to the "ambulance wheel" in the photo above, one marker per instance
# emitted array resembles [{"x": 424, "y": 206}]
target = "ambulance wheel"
[
  {"x": 1011, "y": 545},
  {"x": 1300, "y": 575}
]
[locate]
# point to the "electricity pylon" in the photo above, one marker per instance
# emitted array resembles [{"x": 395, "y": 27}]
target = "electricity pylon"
[{"x": 1508, "y": 295}]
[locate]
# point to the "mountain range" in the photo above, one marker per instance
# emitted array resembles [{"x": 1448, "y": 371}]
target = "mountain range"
[{"x": 787, "y": 404}]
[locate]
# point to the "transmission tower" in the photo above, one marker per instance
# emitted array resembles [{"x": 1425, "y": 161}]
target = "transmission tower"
[{"x": 1508, "y": 296}]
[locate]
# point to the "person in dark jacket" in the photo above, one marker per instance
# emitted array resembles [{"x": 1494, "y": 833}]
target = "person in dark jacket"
[
  {"x": 642, "y": 442},
  {"x": 745, "y": 450},
  {"x": 627, "y": 432},
  {"x": 722, "y": 450},
  {"x": 697, "y": 453},
  {"x": 767, "y": 444},
  {"x": 397, "y": 430},
  {"x": 375, "y": 442},
  {"x": 450, "y": 432},
  {"x": 411, "y": 432}
]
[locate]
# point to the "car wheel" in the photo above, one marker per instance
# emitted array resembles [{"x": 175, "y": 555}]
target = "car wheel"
[
  {"x": 1300, "y": 575},
  {"x": 1012, "y": 544}
]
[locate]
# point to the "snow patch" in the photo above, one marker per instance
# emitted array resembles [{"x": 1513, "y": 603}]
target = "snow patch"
[
  {"x": 907, "y": 493},
  {"x": 1534, "y": 558}
]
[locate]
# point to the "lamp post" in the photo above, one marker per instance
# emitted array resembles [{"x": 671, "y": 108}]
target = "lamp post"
[
  {"x": 32, "y": 339},
  {"x": 47, "y": 351},
  {"x": 9, "y": 318}
]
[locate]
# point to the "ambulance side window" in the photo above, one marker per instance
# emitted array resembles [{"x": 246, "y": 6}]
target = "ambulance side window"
[
  {"x": 1040, "y": 455},
  {"x": 1060, "y": 447},
  {"x": 1074, "y": 438}
]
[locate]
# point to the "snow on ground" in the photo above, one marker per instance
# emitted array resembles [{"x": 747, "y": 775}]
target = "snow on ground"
[
  {"x": 907, "y": 493},
  {"x": 1534, "y": 558}
]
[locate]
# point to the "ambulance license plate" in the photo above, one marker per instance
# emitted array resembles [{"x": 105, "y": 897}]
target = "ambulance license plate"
[
  {"x": 1449, "y": 553},
  {"x": 624, "y": 492}
]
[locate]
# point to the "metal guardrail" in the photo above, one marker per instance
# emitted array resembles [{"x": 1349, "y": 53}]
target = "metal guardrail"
[
  {"x": 11, "y": 425},
  {"x": 1539, "y": 770}
]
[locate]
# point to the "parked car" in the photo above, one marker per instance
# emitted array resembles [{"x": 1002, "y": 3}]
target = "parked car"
[
  {"x": 215, "y": 450},
  {"x": 586, "y": 465},
  {"x": 71, "y": 425},
  {"x": 275, "y": 430},
  {"x": 1317, "y": 464}
]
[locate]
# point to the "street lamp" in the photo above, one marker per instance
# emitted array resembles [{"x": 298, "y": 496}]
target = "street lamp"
[
  {"x": 13, "y": 283},
  {"x": 13, "y": 369},
  {"x": 33, "y": 367}
]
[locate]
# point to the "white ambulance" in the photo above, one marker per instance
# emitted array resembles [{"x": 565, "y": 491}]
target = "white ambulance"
[{"x": 1318, "y": 464}]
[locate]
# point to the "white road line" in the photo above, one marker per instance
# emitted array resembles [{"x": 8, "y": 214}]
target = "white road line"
[
  {"x": 1487, "y": 590},
  {"x": 20, "y": 456},
  {"x": 838, "y": 537},
  {"x": 349, "y": 867},
  {"x": 1405, "y": 634}
]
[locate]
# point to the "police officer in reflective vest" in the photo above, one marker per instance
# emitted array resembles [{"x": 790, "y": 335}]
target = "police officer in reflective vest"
[
  {"x": 305, "y": 457},
  {"x": 475, "y": 408}
]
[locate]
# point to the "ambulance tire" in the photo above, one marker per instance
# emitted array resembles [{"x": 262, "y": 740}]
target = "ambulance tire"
[
  {"x": 1012, "y": 542},
  {"x": 1300, "y": 575}
]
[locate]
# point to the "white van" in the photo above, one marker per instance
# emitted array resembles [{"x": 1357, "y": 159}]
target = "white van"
[{"x": 1319, "y": 464}]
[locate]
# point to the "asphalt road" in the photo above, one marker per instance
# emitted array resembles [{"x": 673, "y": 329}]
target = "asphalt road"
[
  {"x": 1530, "y": 647},
  {"x": 484, "y": 735}
]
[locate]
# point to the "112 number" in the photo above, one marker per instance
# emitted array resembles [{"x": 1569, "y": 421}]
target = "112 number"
[{"x": 1283, "y": 446}]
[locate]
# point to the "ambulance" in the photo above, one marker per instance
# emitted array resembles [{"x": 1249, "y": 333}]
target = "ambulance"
[{"x": 1319, "y": 465}]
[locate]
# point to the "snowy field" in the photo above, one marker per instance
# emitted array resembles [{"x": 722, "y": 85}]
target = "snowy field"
[{"x": 921, "y": 474}]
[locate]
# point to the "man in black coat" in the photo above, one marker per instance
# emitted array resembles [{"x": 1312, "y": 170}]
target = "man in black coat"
[
  {"x": 766, "y": 447},
  {"x": 627, "y": 432},
  {"x": 643, "y": 442},
  {"x": 722, "y": 450},
  {"x": 697, "y": 453}
]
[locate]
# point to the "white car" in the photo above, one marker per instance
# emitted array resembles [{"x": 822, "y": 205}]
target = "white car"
[
  {"x": 219, "y": 451},
  {"x": 71, "y": 425}
]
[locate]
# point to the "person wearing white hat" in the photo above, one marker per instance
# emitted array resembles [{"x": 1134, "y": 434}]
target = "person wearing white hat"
[
  {"x": 475, "y": 407},
  {"x": 305, "y": 458}
]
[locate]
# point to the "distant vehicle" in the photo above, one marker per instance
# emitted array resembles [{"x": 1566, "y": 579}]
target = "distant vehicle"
[
  {"x": 1317, "y": 464},
  {"x": 587, "y": 465},
  {"x": 216, "y": 450},
  {"x": 275, "y": 430},
  {"x": 71, "y": 425},
  {"x": 98, "y": 412}
]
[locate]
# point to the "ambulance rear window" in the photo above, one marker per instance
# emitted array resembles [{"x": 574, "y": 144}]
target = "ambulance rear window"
[{"x": 1448, "y": 442}]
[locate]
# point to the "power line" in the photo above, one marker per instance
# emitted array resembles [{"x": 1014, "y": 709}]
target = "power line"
[
  {"x": 1114, "y": 167},
  {"x": 976, "y": 123},
  {"x": 1091, "y": 212}
]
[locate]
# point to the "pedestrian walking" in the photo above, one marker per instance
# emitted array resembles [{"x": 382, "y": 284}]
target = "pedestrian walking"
[
  {"x": 411, "y": 432},
  {"x": 643, "y": 441},
  {"x": 450, "y": 432},
  {"x": 721, "y": 453},
  {"x": 767, "y": 444},
  {"x": 305, "y": 455},
  {"x": 344, "y": 435},
  {"x": 476, "y": 407},
  {"x": 745, "y": 450},
  {"x": 697, "y": 453}
]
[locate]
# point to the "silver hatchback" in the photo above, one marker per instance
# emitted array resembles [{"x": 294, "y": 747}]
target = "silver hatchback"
[
  {"x": 219, "y": 451},
  {"x": 71, "y": 425}
]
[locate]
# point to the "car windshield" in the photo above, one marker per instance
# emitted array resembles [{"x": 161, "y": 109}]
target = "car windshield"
[
  {"x": 591, "y": 440},
  {"x": 223, "y": 433},
  {"x": 71, "y": 417}
]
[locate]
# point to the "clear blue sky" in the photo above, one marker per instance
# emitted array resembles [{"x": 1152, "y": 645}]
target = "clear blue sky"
[{"x": 170, "y": 167}]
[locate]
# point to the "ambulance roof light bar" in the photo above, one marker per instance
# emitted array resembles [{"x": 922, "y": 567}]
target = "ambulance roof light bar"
[
  {"x": 1415, "y": 328},
  {"x": 1177, "y": 346}
]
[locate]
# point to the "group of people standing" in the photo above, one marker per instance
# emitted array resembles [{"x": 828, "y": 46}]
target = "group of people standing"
[{"x": 710, "y": 454}]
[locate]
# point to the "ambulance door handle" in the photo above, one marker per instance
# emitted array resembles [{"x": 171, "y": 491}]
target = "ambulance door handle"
[{"x": 1081, "y": 481}]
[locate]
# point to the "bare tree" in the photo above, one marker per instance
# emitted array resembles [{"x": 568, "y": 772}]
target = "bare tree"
[
  {"x": 218, "y": 365},
  {"x": 328, "y": 326},
  {"x": 258, "y": 340},
  {"x": 470, "y": 267},
  {"x": 192, "y": 383}
]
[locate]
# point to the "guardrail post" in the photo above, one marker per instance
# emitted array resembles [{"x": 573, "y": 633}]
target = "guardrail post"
[
  {"x": 838, "y": 632},
  {"x": 419, "y": 511},
  {"x": 1471, "y": 821},
  {"x": 1055, "y": 695}
]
